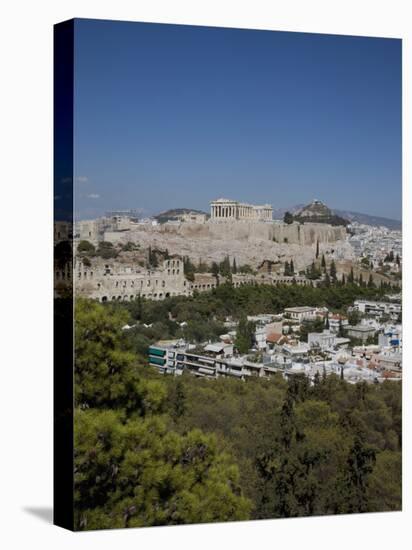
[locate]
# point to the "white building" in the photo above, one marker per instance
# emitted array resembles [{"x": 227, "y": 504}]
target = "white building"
[
  {"x": 370, "y": 307},
  {"x": 302, "y": 313},
  {"x": 362, "y": 332},
  {"x": 336, "y": 321},
  {"x": 324, "y": 339}
]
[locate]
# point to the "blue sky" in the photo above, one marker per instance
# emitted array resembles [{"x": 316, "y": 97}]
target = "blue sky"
[{"x": 173, "y": 116}]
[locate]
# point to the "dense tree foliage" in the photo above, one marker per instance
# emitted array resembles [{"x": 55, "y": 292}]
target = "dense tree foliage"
[
  {"x": 226, "y": 300},
  {"x": 131, "y": 469},
  {"x": 132, "y": 473},
  {"x": 106, "y": 250},
  {"x": 303, "y": 449},
  {"x": 86, "y": 247},
  {"x": 153, "y": 450}
]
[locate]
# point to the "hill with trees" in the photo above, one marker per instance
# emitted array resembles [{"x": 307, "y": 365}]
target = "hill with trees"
[
  {"x": 367, "y": 219},
  {"x": 315, "y": 212},
  {"x": 174, "y": 213}
]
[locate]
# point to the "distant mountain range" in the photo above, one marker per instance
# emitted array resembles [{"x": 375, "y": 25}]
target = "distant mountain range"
[
  {"x": 367, "y": 219},
  {"x": 370, "y": 220}
]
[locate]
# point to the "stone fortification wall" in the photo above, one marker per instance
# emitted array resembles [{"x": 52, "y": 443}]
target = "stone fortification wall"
[
  {"x": 247, "y": 242},
  {"x": 229, "y": 230},
  {"x": 308, "y": 233},
  {"x": 301, "y": 234}
]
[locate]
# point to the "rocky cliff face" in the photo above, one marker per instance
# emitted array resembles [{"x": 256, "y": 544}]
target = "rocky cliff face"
[{"x": 247, "y": 242}]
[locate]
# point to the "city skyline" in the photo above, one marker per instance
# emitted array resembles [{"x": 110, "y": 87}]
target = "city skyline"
[{"x": 170, "y": 116}]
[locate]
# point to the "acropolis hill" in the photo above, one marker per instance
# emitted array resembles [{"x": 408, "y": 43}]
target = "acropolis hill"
[
  {"x": 120, "y": 257},
  {"x": 245, "y": 232}
]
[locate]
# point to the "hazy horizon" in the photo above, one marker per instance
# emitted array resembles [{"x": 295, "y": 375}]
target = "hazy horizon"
[{"x": 145, "y": 213}]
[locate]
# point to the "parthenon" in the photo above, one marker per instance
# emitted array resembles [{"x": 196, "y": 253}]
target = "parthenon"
[{"x": 228, "y": 210}]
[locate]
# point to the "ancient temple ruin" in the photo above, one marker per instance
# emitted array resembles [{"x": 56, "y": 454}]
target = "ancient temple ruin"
[{"x": 229, "y": 210}]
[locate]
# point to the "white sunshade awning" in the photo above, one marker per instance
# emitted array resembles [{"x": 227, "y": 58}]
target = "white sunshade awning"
[{"x": 215, "y": 348}]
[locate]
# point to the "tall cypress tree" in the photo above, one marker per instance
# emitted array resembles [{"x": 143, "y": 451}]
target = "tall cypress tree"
[{"x": 332, "y": 270}]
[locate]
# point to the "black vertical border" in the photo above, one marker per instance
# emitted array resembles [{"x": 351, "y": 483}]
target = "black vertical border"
[{"x": 63, "y": 65}]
